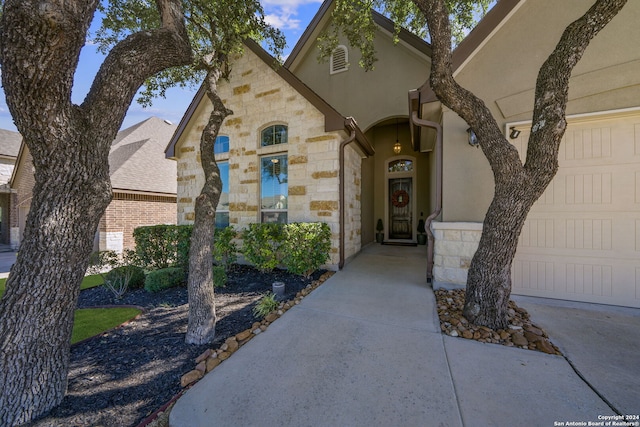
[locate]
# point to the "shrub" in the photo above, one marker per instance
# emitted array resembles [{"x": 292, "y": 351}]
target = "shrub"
[
  {"x": 132, "y": 273},
  {"x": 162, "y": 246},
  {"x": 225, "y": 250},
  {"x": 121, "y": 271},
  {"x": 164, "y": 278},
  {"x": 219, "y": 276},
  {"x": 306, "y": 247},
  {"x": 261, "y": 245},
  {"x": 266, "y": 305}
]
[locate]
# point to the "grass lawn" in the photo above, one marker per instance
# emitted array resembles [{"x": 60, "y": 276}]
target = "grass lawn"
[
  {"x": 93, "y": 321},
  {"x": 87, "y": 282}
]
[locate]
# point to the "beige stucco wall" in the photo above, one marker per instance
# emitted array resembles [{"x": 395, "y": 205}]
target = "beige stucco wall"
[
  {"x": 260, "y": 97},
  {"x": 383, "y": 138},
  {"x": 503, "y": 74},
  {"x": 368, "y": 96}
]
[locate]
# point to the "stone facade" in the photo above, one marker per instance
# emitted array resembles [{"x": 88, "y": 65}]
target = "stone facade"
[
  {"x": 455, "y": 245},
  {"x": 259, "y": 98}
]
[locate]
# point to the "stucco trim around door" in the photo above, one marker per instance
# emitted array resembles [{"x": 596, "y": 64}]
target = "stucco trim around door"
[{"x": 396, "y": 171}]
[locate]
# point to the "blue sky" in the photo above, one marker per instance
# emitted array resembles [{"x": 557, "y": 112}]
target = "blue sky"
[{"x": 291, "y": 16}]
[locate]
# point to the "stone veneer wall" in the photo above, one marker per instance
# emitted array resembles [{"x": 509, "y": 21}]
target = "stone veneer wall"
[
  {"x": 259, "y": 97},
  {"x": 455, "y": 245}
]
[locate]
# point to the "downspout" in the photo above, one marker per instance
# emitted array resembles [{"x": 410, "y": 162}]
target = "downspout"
[
  {"x": 343, "y": 145},
  {"x": 438, "y": 152}
]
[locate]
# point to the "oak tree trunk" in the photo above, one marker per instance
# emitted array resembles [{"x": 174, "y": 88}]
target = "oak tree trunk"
[
  {"x": 40, "y": 43},
  {"x": 202, "y": 310},
  {"x": 517, "y": 185}
]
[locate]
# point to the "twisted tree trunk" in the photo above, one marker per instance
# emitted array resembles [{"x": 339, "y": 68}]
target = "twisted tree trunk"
[
  {"x": 40, "y": 43},
  {"x": 517, "y": 186},
  {"x": 202, "y": 310}
]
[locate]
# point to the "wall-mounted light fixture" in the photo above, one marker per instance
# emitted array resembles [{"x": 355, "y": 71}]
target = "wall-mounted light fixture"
[
  {"x": 397, "y": 147},
  {"x": 473, "y": 139},
  {"x": 513, "y": 133}
]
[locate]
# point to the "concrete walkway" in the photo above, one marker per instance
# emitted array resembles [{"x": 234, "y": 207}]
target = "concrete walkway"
[{"x": 365, "y": 349}]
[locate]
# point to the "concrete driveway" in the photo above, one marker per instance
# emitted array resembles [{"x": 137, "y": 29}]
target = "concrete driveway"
[{"x": 365, "y": 349}]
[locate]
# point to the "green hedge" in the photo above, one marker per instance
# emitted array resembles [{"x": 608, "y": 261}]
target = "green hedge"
[
  {"x": 164, "y": 278},
  {"x": 306, "y": 247},
  {"x": 300, "y": 247},
  {"x": 163, "y": 246}
]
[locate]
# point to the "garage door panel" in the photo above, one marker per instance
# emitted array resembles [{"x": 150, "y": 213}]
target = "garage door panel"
[
  {"x": 578, "y": 278},
  {"x": 581, "y": 240}
]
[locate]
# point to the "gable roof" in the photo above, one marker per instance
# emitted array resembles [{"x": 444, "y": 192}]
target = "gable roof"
[
  {"x": 137, "y": 161},
  {"x": 334, "y": 121},
  {"x": 9, "y": 143},
  {"x": 320, "y": 19}
]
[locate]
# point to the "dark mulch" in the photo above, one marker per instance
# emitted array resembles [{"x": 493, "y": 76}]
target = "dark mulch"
[{"x": 121, "y": 377}]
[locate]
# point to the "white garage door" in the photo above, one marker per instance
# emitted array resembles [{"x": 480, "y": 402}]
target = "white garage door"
[{"x": 581, "y": 240}]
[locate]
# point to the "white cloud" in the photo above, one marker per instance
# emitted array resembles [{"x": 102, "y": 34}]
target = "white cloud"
[{"x": 283, "y": 14}]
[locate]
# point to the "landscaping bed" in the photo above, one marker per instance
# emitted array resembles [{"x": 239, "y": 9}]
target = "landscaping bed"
[
  {"x": 121, "y": 377},
  {"x": 521, "y": 333}
]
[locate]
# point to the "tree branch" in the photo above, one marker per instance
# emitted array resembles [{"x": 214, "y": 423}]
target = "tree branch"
[
  {"x": 502, "y": 156},
  {"x": 132, "y": 61},
  {"x": 552, "y": 90}
]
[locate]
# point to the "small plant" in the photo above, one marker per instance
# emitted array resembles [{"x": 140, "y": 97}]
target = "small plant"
[
  {"x": 225, "y": 250},
  {"x": 266, "y": 305},
  {"x": 118, "y": 272},
  {"x": 164, "y": 278},
  {"x": 262, "y": 244},
  {"x": 306, "y": 247},
  {"x": 422, "y": 238},
  {"x": 219, "y": 276},
  {"x": 379, "y": 229}
]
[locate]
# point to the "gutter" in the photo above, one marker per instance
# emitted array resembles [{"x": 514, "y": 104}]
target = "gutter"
[
  {"x": 438, "y": 152},
  {"x": 368, "y": 150}
]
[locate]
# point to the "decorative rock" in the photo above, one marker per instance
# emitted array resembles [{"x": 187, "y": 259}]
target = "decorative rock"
[
  {"x": 243, "y": 335},
  {"x": 531, "y": 337},
  {"x": 533, "y": 330},
  {"x": 224, "y": 355},
  {"x": 255, "y": 325},
  {"x": 212, "y": 362},
  {"x": 232, "y": 346},
  {"x": 257, "y": 331},
  {"x": 271, "y": 317},
  {"x": 202, "y": 366},
  {"x": 224, "y": 347},
  {"x": 204, "y": 355},
  {"x": 263, "y": 328},
  {"x": 453, "y": 333},
  {"x": 519, "y": 340},
  {"x": 190, "y": 377},
  {"x": 504, "y": 334},
  {"x": 467, "y": 334},
  {"x": 545, "y": 346}
]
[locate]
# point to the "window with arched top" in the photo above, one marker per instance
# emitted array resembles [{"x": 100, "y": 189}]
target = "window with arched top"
[
  {"x": 339, "y": 60},
  {"x": 401, "y": 165},
  {"x": 273, "y": 135}
]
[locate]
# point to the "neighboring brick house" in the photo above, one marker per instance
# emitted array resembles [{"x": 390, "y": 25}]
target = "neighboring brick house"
[
  {"x": 143, "y": 181},
  {"x": 9, "y": 147}
]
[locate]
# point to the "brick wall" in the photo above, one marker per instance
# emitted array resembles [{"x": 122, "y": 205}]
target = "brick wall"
[
  {"x": 126, "y": 212},
  {"x": 259, "y": 98}
]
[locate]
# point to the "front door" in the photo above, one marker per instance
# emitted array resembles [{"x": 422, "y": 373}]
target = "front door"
[{"x": 400, "y": 211}]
